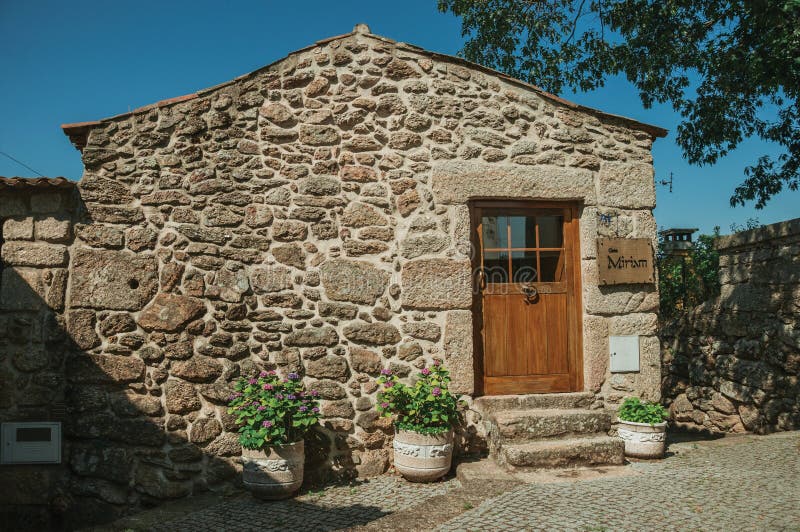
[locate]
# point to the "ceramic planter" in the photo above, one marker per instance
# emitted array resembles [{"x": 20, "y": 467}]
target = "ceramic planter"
[
  {"x": 274, "y": 472},
  {"x": 643, "y": 440},
  {"x": 423, "y": 457}
]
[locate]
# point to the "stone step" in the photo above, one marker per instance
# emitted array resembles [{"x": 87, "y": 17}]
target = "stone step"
[
  {"x": 489, "y": 404},
  {"x": 571, "y": 452},
  {"x": 525, "y": 425}
]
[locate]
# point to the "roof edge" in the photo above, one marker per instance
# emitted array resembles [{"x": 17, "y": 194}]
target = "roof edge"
[
  {"x": 78, "y": 132},
  {"x": 19, "y": 183}
]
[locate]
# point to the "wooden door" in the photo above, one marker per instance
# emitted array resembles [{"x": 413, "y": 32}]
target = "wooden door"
[{"x": 528, "y": 278}]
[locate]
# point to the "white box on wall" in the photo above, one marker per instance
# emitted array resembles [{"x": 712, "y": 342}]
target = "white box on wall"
[
  {"x": 624, "y": 352},
  {"x": 31, "y": 443}
]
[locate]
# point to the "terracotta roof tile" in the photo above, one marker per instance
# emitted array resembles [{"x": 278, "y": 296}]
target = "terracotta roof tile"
[{"x": 19, "y": 183}]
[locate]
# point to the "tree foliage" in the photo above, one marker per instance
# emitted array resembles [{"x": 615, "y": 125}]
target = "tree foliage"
[
  {"x": 730, "y": 68},
  {"x": 685, "y": 282}
]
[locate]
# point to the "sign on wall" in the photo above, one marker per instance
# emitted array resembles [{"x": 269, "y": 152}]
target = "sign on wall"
[{"x": 625, "y": 261}]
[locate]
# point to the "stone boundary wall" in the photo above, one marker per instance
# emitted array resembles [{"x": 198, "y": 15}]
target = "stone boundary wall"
[
  {"x": 309, "y": 217},
  {"x": 732, "y": 364}
]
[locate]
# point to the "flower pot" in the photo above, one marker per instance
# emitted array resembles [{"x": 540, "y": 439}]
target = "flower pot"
[
  {"x": 423, "y": 457},
  {"x": 643, "y": 440},
  {"x": 274, "y": 472}
]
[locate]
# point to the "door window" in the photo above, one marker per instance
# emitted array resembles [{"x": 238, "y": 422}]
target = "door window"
[{"x": 521, "y": 248}]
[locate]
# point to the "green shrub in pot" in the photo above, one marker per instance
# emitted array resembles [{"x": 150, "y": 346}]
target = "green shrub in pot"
[
  {"x": 424, "y": 415},
  {"x": 643, "y": 426}
]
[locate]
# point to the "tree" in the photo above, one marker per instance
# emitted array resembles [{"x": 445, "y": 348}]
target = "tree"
[
  {"x": 686, "y": 281},
  {"x": 730, "y": 68}
]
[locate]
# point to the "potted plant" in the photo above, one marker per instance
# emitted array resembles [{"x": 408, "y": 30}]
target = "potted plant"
[
  {"x": 643, "y": 427},
  {"x": 274, "y": 415},
  {"x": 424, "y": 414}
]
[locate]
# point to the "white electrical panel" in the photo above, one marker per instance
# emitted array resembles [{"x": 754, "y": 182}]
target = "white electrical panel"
[
  {"x": 624, "y": 353},
  {"x": 31, "y": 443}
]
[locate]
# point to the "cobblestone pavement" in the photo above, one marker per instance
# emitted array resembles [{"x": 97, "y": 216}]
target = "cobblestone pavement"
[
  {"x": 334, "y": 508},
  {"x": 737, "y": 483},
  {"x": 746, "y": 483}
]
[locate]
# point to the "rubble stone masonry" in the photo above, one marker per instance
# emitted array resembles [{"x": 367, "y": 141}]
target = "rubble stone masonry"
[
  {"x": 312, "y": 217},
  {"x": 732, "y": 364}
]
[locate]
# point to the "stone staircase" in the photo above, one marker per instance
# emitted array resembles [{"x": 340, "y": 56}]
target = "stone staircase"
[{"x": 548, "y": 431}]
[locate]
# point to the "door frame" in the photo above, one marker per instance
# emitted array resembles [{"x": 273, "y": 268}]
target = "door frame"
[{"x": 573, "y": 275}]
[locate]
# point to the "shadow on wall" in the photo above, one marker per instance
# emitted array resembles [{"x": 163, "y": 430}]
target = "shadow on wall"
[
  {"x": 732, "y": 364},
  {"x": 143, "y": 416}
]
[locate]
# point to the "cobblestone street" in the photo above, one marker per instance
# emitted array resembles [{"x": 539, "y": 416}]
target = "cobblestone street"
[
  {"x": 746, "y": 483},
  {"x": 740, "y": 483}
]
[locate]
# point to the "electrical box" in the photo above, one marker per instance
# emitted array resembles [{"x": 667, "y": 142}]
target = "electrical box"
[
  {"x": 31, "y": 443},
  {"x": 624, "y": 353}
]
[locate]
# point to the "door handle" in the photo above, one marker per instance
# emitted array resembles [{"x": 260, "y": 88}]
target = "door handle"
[{"x": 530, "y": 291}]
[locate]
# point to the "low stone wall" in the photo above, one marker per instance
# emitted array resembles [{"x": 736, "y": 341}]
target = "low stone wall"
[{"x": 733, "y": 363}]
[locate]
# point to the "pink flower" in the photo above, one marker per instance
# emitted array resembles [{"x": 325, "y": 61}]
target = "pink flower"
[
  {"x": 263, "y": 374},
  {"x": 437, "y": 363},
  {"x": 251, "y": 381},
  {"x": 436, "y": 391},
  {"x": 267, "y": 386},
  {"x": 384, "y": 405},
  {"x": 266, "y": 424},
  {"x": 388, "y": 384},
  {"x": 426, "y": 371},
  {"x": 386, "y": 371}
]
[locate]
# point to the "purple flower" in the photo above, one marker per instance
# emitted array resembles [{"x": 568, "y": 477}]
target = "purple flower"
[
  {"x": 293, "y": 376},
  {"x": 384, "y": 405},
  {"x": 254, "y": 403},
  {"x": 386, "y": 371},
  {"x": 267, "y": 386},
  {"x": 252, "y": 381},
  {"x": 426, "y": 371},
  {"x": 262, "y": 408},
  {"x": 263, "y": 374},
  {"x": 303, "y": 408},
  {"x": 291, "y": 397},
  {"x": 436, "y": 391},
  {"x": 314, "y": 393},
  {"x": 266, "y": 424},
  {"x": 315, "y": 409}
]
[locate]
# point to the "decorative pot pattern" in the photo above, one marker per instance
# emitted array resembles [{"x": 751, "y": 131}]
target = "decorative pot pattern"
[
  {"x": 423, "y": 457},
  {"x": 643, "y": 440},
  {"x": 275, "y": 472}
]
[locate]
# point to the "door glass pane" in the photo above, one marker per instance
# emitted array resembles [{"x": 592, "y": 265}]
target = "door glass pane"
[
  {"x": 495, "y": 266},
  {"x": 552, "y": 265},
  {"x": 550, "y": 231},
  {"x": 523, "y": 231},
  {"x": 495, "y": 231},
  {"x": 523, "y": 266}
]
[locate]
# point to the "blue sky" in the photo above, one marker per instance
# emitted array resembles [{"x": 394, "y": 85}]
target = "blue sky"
[{"x": 77, "y": 61}]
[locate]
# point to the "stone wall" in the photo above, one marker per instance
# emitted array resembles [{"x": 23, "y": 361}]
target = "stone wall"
[
  {"x": 733, "y": 363},
  {"x": 36, "y": 233},
  {"x": 312, "y": 216}
]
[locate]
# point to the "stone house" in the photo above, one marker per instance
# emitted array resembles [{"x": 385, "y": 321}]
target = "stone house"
[{"x": 359, "y": 204}]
